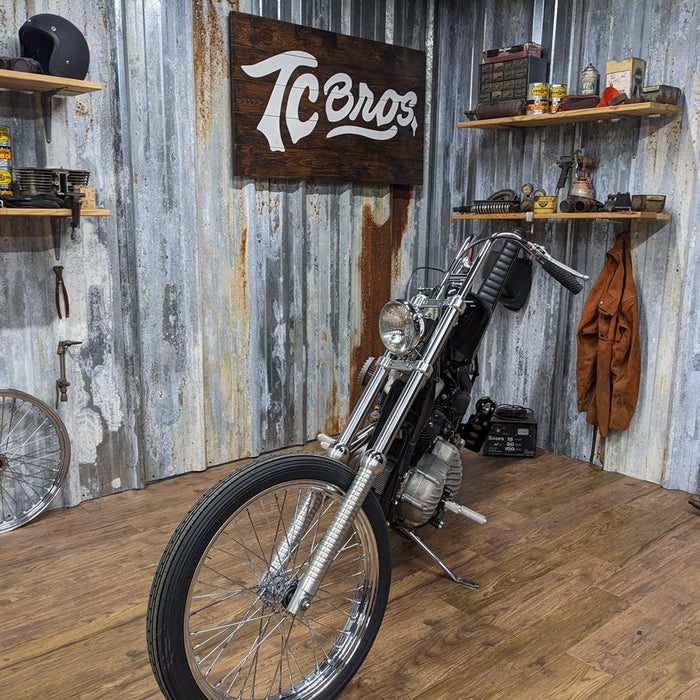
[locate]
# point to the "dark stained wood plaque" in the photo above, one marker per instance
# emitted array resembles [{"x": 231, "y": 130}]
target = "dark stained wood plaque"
[{"x": 311, "y": 104}]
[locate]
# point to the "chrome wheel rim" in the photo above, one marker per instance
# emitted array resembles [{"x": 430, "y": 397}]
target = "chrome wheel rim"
[
  {"x": 34, "y": 456},
  {"x": 240, "y": 639}
]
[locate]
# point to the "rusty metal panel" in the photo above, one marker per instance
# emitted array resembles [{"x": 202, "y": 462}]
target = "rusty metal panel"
[
  {"x": 281, "y": 348},
  {"x": 222, "y": 317},
  {"x": 102, "y": 402},
  {"x": 530, "y": 358}
]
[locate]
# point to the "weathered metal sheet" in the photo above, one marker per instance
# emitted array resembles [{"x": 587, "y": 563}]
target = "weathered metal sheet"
[
  {"x": 287, "y": 337},
  {"x": 101, "y": 411},
  {"x": 223, "y": 317},
  {"x": 530, "y": 358}
]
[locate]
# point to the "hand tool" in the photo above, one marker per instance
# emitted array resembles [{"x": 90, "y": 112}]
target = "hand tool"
[
  {"x": 62, "y": 383},
  {"x": 60, "y": 290},
  {"x": 581, "y": 185}
]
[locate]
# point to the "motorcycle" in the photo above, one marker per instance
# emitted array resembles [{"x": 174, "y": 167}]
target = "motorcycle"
[{"x": 275, "y": 583}]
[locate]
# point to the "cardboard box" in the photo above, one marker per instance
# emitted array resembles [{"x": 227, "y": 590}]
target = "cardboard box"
[
  {"x": 509, "y": 53},
  {"x": 88, "y": 199},
  {"x": 626, "y": 76}
]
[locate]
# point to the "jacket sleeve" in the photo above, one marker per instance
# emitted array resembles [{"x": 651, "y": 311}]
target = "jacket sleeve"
[
  {"x": 626, "y": 366},
  {"x": 586, "y": 350}
]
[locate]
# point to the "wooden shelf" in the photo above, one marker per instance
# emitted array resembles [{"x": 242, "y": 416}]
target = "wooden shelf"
[
  {"x": 630, "y": 215},
  {"x": 36, "y": 82},
  {"x": 637, "y": 109},
  {"x": 18, "y": 211}
]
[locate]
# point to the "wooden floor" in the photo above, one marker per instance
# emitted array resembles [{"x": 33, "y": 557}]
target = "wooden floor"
[{"x": 590, "y": 587}]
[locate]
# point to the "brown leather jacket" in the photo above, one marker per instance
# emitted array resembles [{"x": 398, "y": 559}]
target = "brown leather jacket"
[{"x": 608, "y": 366}]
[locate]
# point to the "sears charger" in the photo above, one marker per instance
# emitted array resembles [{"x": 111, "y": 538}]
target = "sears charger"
[{"x": 513, "y": 433}]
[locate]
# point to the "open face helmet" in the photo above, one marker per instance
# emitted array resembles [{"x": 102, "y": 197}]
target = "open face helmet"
[{"x": 58, "y": 45}]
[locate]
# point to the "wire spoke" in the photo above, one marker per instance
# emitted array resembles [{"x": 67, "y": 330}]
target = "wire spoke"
[
  {"x": 34, "y": 450},
  {"x": 240, "y": 635}
]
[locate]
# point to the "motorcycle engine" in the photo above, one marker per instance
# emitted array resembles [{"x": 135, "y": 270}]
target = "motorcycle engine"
[{"x": 438, "y": 469}]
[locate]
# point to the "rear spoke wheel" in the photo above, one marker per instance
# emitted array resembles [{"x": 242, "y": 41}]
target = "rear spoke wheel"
[{"x": 34, "y": 457}]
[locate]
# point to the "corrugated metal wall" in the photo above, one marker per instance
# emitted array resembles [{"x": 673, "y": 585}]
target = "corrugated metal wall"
[
  {"x": 530, "y": 357},
  {"x": 223, "y": 317},
  {"x": 220, "y": 317}
]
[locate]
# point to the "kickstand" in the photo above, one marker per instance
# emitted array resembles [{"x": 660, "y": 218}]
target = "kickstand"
[{"x": 457, "y": 579}]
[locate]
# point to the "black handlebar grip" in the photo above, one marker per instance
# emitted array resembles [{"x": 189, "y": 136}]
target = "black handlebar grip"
[{"x": 564, "y": 277}]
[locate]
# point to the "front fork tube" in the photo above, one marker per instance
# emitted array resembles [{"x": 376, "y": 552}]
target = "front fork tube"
[
  {"x": 373, "y": 461},
  {"x": 292, "y": 537},
  {"x": 340, "y": 450}
]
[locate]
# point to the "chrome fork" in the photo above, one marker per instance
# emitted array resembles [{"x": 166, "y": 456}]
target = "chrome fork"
[
  {"x": 305, "y": 513},
  {"x": 373, "y": 461}
]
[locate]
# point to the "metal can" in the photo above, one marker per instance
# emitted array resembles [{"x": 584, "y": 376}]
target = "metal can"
[
  {"x": 537, "y": 98},
  {"x": 556, "y": 94},
  {"x": 589, "y": 80},
  {"x": 5, "y": 163}
]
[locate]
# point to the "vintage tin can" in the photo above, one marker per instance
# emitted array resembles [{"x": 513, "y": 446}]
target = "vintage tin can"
[
  {"x": 556, "y": 94},
  {"x": 537, "y": 98},
  {"x": 589, "y": 80},
  {"x": 5, "y": 163}
]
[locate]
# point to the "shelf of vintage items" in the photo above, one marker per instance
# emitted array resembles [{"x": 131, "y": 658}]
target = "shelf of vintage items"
[
  {"x": 628, "y": 215},
  {"x": 574, "y": 116}
]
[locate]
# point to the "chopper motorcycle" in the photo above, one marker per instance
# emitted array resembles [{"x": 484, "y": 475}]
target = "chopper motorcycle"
[{"x": 275, "y": 583}]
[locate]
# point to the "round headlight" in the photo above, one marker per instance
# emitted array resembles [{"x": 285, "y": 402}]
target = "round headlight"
[{"x": 400, "y": 326}]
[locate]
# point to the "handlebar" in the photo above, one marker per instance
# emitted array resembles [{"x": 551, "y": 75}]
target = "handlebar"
[{"x": 565, "y": 275}]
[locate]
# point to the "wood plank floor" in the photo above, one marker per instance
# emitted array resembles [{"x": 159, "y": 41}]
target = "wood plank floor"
[{"x": 590, "y": 587}]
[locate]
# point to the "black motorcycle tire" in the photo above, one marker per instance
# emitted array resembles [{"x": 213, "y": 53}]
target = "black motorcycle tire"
[{"x": 242, "y": 642}]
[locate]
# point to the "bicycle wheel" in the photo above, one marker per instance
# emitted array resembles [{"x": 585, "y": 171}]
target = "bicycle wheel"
[
  {"x": 217, "y": 624},
  {"x": 34, "y": 457}
]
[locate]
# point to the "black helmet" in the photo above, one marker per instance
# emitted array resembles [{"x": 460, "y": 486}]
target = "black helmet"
[{"x": 58, "y": 45}]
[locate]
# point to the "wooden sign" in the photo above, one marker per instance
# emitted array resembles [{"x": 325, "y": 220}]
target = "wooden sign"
[{"x": 311, "y": 104}]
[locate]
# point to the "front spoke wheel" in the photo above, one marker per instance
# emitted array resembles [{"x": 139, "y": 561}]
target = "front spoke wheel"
[{"x": 220, "y": 594}]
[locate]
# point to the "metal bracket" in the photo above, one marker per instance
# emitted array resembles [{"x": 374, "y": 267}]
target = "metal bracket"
[
  {"x": 46, "y": 109},
  {"x": 62, "y": 383},
  {"x": 425, "y": 368}
]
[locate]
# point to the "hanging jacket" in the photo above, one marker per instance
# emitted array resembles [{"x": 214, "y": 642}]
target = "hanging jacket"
[{"x": 608, "y": 365}]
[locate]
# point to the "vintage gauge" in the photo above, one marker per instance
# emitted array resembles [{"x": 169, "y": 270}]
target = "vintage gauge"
[{"x": 526, "y": 201}]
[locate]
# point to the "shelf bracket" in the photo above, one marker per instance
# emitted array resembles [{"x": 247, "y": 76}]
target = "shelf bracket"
[
  {"x": 56, "y": 231},
  {"x": 46, "y": 108},
  {"x": 636, "y": 128}
]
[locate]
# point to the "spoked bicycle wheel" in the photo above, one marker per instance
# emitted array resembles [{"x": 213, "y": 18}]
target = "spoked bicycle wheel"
[
  {"x": 34, "y": 457},
  {"x": 217, "y": 621}
]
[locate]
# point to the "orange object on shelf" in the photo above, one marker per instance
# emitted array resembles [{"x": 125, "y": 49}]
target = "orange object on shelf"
[{"x": 607, "y": 95}]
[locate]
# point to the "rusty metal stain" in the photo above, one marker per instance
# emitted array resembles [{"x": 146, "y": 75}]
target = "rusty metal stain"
[
  {"x": 210, "y": 58},
  {"x": 190, "y": 364},
  {"x": 381, "y": 243}
]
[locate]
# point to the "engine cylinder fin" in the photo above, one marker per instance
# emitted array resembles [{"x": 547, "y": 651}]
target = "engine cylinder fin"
[{"x": 422, "y": 493}]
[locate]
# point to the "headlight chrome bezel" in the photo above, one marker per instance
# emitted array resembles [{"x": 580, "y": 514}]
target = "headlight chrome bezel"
[{"x": 401, "y": 326}]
